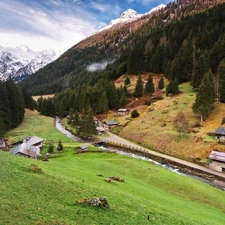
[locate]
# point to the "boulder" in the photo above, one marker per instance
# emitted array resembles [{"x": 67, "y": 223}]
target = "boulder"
[
  {"x": 95, "y": 201},
  {"x": 120, "y": 179}
]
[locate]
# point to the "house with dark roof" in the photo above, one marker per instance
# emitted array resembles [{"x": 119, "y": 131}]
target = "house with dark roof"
[
  {"x": 218, "y": 160},
  {"x": 108, "y": 124},
  {"x": 220, "y": 133}
]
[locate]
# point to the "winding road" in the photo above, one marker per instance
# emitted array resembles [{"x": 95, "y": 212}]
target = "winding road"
[{"x": 116, "y": 139}]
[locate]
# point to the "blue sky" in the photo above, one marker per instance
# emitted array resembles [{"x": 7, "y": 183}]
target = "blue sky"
[{"x": 60, "y": 24}]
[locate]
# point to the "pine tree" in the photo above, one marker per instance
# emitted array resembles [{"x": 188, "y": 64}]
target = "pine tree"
[
  {"x": 205, "y": 97},
  {"x": 161, "y": 83},
  {"x": 2, "y": 128},
  {"x": 60, "y": 145},
  {"x": 112, "y": 96},
  {"x": 138, "y": 88},
  {"x": 4, "y": 107},
  {"x": 123, "y": 100},
  {"x": 149, "y": 87},
  {"x": 173, "y": 87},
  {"x": 221, "y": 74},
  {"x": 201, "y": 67},
  {"x": 87, "y": 126},
  {"x": 127, "y": 81}
]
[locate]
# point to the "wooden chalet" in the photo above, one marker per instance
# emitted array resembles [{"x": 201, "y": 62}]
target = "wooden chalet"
[
  {"x": 26, "y": 150},
  {"x": 122, "y": 112},
  {"x": 30, "y": 147},
  {"x": 220, "y": 133},
  {"x": 82, "y": 148},
  {"x": 108, "y": 124},
  {"x": 218, "y": 160}
]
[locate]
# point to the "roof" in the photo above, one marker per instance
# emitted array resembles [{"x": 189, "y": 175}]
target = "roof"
[
  {"x": 25, "y": 149},
  {"x": 122, "y": 110},
  {"x": 111, "y": 122},
  {"x": 220, "y": 131},
  {"x": 218, "y": 156},
  {"x": 33, "y": 140},
  {"x": 85, "y": 146}
]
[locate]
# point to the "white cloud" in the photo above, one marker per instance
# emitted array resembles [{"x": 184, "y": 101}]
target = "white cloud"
[
  {"x": 98, "y": 66},
  {"x": 99, "y": 7},
  {"x": 39, "y": 29}
]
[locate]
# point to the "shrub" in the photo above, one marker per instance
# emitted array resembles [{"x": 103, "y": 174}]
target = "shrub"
[
  {"x": 60, "y": 146},
  {"x": 223, "y": 121},
  {"x": 148, "y": 102},
  {"x": 134, "y": 113},
  {"x": 51, "y": 148}
]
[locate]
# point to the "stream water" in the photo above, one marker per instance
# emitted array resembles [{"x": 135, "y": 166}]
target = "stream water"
[{"x": 59, "y": 126}]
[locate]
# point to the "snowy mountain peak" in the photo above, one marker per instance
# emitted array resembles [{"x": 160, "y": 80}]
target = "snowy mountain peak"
[
  {"x": 161, "y": 6},
  {"x": 21, "y": 61},
  {"x": 131, "y": 15},
  {"x": 127, "y": 15}
]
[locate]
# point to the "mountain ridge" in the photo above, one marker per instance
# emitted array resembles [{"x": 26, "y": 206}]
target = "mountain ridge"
[{"x": 19, "y": 62}]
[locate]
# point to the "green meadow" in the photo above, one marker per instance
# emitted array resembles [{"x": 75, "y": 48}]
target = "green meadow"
[{"x": 48, "y": 193}]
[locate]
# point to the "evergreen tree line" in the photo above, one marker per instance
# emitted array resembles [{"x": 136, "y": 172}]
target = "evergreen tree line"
[
  {"x": 11, "y": 106},
  {"x": 99, "y": 95}
]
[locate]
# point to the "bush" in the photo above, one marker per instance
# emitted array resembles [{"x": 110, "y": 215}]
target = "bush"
[
  {"x": 134, "y": 113},
  {"x": 148, "y": 102},
  {"x": 223, "y": 121},
  {"x": 60, "y": 146},
  {"x": 51, "y": 148}
]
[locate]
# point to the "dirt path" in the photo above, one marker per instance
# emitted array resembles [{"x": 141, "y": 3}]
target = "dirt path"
[{"x": 116, "y": 139}]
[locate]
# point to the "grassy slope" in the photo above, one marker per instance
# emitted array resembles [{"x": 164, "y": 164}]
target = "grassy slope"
[
  {"x": 50, "y": 197},
  {"x": 155, "y": 129},
  {"x": 35, "y": 124}
]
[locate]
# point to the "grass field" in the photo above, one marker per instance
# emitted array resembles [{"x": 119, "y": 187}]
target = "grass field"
[{"x": 49, "y": 197}]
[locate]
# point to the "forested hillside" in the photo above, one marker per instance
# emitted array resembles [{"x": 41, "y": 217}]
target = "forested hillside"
[{"x": 13, "y": 100}]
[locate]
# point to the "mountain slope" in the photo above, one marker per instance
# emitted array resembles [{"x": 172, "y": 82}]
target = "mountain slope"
[
  {"x": 18, "y": 63},
  {"x": 149, "y": 43}
]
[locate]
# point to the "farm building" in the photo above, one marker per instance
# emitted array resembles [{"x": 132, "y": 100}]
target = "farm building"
[
  {"x": 30, "y": 147},
  {"x": 82, "y": 148},
  {"x": 108, "y": 124},
  {"x": 218, "y": 160},
  {"x": 220, "y": 133},
  {"x": 122, "y": 112},
  {"x": 26, "y": 150}
]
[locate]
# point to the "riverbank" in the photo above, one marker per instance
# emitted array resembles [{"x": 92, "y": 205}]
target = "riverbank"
[{"x": 215, "y": 178}]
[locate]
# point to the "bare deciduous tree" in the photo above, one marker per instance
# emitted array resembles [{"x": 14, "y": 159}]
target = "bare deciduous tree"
[{"x": 180, "y": 123}]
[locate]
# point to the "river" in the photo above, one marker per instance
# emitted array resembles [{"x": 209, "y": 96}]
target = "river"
[{"x": 59, "y": 126}]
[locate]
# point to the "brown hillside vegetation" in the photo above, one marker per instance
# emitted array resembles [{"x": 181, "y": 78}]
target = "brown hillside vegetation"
[{"x": 154, "y": 128}]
